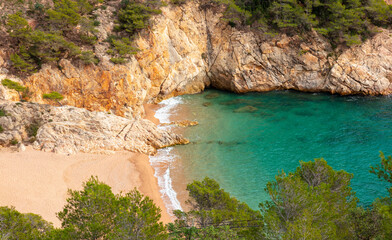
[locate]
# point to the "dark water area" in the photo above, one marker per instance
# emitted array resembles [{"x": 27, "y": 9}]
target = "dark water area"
[{"x": 243, "y": 141}]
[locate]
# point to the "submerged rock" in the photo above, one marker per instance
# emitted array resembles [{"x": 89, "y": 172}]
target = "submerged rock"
[
  {"x": 246, "y": 109},
  {"x": 233, "y": 102},
  {"x": 212, "y": 95},
  {"x": 183, "y": 123},
  {"x": 207, "y": 104}
]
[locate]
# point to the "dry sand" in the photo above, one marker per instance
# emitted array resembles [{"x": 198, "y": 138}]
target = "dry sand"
[{"x": 37, "y": 182}]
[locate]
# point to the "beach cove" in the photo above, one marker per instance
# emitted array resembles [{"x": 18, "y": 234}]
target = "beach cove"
[{"x": 37, "y": 181}]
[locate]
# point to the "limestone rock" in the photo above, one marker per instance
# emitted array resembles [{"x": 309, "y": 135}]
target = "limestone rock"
[
  {"x": 70, "y": 130},
  {"x": 189, "y": 48},
  {"x": 21, "y": 147},
  {"x": 246, "y": 109}
]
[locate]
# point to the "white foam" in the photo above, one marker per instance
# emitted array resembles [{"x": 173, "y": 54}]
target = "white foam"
[
  {"x": 169, "y": 191},
  {"x": 163, "y": 113},
  {"x": 161, "y": 162}
]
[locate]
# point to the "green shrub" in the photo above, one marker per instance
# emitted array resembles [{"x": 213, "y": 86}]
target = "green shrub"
[
  {"x": 121, "y": 49},
  {"x": 1, "y": 129},
  {"x": 15, "y": 225},
  {"x": 118, "y": 60},
  {"x": 3, "y": 113},
  {"x": 135, "y": 16},
  {"x": 88, "y": 57},
  {"x": 65, "y": 14},
  {"x": 18, "y": 27},
  {"x": 14, "y": 142},
  {"x": 178, "y": 2},
  {"x": 22, "y": 90},
  {"x": 53, "y": 96},
  {"x": 32, "y": 129},
  {"x": 22, "y": 64}
]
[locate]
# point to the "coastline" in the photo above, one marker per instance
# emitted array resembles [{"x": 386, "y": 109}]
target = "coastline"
[
  {"x": 37, "y": 182},
  {"x": 167, "y": 162}
]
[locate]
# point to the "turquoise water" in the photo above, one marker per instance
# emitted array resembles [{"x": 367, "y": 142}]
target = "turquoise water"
[{"x": 244, "y": 148}]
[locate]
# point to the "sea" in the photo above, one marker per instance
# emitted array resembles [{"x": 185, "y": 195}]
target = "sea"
[{"x": 244, "y": 140}]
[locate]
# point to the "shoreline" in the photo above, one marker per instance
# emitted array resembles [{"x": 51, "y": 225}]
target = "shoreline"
[
  {"x": 167, "y": 163},
  {"x": 37, "y": 182}
]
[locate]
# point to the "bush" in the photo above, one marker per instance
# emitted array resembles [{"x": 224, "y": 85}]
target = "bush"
[
  {"x": 15, "y": 225},
  {"x": 65, "y": 14},
  {"x": 212, "y": 206},
  {"x": 14, "y": 141},
  {"x": 15, "y": 86},
  {"x": 54, "y": 96},
  {"x": 22, "y": 64},
  {"x": 18, "y": 27},
  {"x": 32, "y": 129},
  {"x": 178, "y": 2},
  {"x": 1, "y": 129},
  {"x": 3, "y": 113},
  {"x": 88, "y": 57},
  {"x": 96, "y": 213},
  {"x": 121, "y": 49},
  {"x": 135, "y": 16}
]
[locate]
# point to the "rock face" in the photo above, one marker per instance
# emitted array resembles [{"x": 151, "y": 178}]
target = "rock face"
[
  {"x": 71, "y": 130},
  {"x": 249, "y": 63},
  {"x": 189, "y": 48}
]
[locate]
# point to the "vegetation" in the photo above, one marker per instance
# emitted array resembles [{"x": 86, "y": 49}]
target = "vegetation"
[
  {"x": 341, "y": 21},
  {"x": 21, "y": 90},
  {"x": 97, "y": 213},
  {"x": 1, "y": 129},
  {"x": 211, "y": 211},
  {"x": 134, "y": 16},
  {"x": 67, "y": 28},
  {"x": 32, "y": 129},
  {"x": 314, "y": 202},
  {"x": 54, "y": 96},
  {"x": 60, "y": 32},
  {"x": 3, "y": 113},
  {"x": 14, "y": 141},
  {"x": 15, "y": 226}
]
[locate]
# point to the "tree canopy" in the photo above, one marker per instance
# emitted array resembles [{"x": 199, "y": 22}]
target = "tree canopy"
[{"x": 314, "y": 202}]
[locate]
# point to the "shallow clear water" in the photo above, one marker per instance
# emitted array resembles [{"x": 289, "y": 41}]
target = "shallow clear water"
[{"x": 244, "y": 148}]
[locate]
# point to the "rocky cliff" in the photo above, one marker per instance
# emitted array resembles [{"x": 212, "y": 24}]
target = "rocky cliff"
[
  {"x": 71, "y": 130},
  {"x": 189, "y": 48}
]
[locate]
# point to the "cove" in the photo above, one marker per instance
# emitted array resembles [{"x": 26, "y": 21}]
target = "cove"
[{"x": 243, "y": 141}]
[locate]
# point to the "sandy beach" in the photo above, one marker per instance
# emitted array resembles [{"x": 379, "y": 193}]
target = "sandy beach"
[{"x": 37, "y": 182}]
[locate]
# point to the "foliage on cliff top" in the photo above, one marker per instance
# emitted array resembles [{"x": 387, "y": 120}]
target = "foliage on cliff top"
[
  {"x": 52, "y": 33},
  {"x": 341, "y": 21},
  {"x": 46, "y": 33}
]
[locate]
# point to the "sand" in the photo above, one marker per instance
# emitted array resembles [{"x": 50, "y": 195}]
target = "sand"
[{"x": 37, "y": 182}]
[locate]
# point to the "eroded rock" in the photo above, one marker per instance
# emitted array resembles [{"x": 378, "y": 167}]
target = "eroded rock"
[{"x": 71, "y": 130}]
